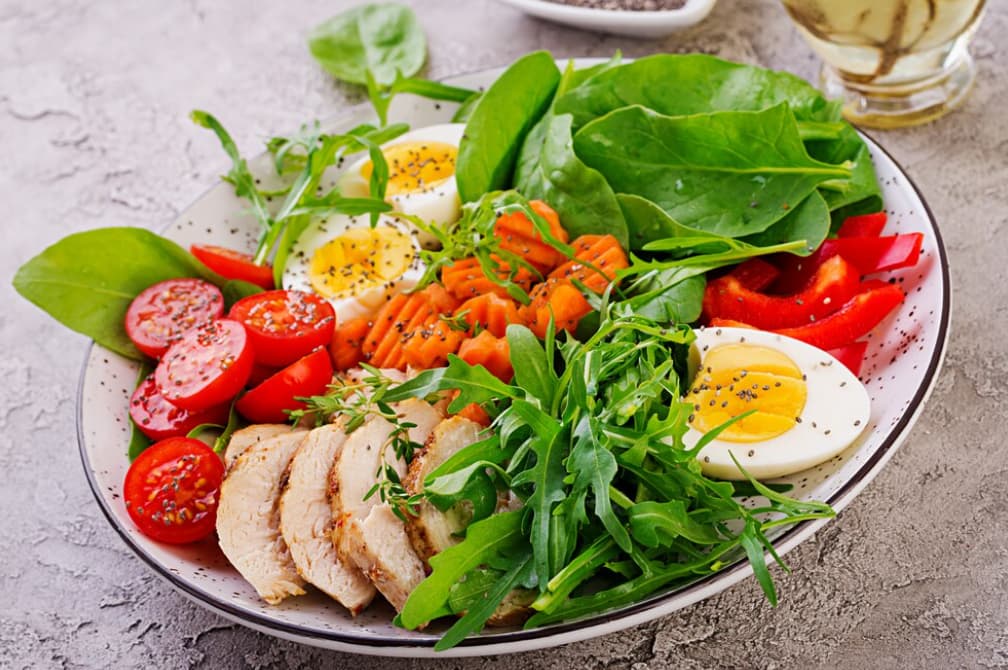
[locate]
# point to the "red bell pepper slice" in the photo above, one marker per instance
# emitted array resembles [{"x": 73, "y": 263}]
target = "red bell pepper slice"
[
  {"x": 856, "y": 318},
  {"x": 864, "y": 225},
  {"x": 851, "y": 355},
  {"x": 867, "y": 254},
  {"x": 755, "y": 274},
  {"x": 833, "y": 284}
]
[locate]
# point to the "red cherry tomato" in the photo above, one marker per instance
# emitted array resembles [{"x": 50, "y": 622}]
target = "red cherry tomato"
[
  {"x": 266, "y": 403},
  {"x": 285, "y": 325},
  {"x": 158, "y": 419},
  {"x": 159, "y": 316},
  {"x": 207, "y": 367},
  {"x": 172, "y": 488},
  {"x": 233, "y": 264}
]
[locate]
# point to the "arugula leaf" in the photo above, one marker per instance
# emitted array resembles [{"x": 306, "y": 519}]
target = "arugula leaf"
[
  {"x": 474, "y": 619},
  {"x": 384, "y": 40},
  {"x": 593, "y": 466},
  {"x": 485, "y": 540},
  {"x": 502, "y": 118},
  {"x": 691, "y": 167},
  {"x": 87, "y": 280},
  {"x": 474, "y": 384},
  {"x": 534, "y": 371},
  {"x": 655, "y": 524}
]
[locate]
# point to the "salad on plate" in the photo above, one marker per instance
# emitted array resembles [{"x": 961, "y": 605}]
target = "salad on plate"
[{"x": 521, "y": 368}]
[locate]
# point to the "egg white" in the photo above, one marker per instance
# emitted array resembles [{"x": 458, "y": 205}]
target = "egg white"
[
  {"x": 366, "y": 301},
  {"x": 836, "y": 412},
  {"x": 439, "y": 203}
]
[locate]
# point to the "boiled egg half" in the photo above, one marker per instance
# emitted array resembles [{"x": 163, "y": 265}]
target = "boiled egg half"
[
  {"x": 421, "y": 174},
  {"x": 806, "y": 406},
  {"x": 354, "y": 266}
]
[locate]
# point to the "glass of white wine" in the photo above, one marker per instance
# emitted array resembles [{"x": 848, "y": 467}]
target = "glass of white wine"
[{"x": 894, "y": 63}]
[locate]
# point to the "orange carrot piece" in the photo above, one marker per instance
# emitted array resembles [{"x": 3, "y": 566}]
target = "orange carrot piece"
[
  {"x": 489, "y": 312},
  {"x": 518, "y": 235},
  {"x": 465, "y": 278},
  {"x": 475, "y": 413},
  {"x": 601, "y": 251},
  {"x": 429, "y": 345},
  {"x": 491, "y": 352},
  {"x": 346, "y": 348}
]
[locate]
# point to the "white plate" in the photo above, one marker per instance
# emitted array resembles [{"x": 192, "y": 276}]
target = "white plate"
[
  {"x": 649, "y": 25},
  {"x": 903, "y": 360}
]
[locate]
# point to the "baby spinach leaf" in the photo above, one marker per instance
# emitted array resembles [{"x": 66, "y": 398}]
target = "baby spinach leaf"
[
  {"x": 665, "y": 298},
  {"x": 809, "y": 221},
  {"x": 86, "y": 281},
  {"x": 692, "y": 84},
  {"x": 693, "y": 168},
  {"x": 383, "y": 39},
  {"x": 861, "y": 193},
  {"x": 499, "y": 123},
  {"x": 549, "y": 170}
]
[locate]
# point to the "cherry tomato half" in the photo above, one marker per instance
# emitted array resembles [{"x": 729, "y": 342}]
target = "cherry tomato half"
[
  {"x": 158, "y": 419},
  {"x": 159, "y": 316},
  {"x": 233, "y": 264},
  {"x": 284, "y": 326},
  {"x": 266, "y": 402},
  {"x": 207, "y": 367},
  {"x": 172, "y": 489}
]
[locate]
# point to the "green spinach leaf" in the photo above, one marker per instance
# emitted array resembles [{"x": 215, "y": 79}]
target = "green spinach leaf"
[
  {"x": 382, "y": 39},
  {"x": 692, "y": 84},
  {"x": 549, "y": 170},
  {"x": 502, "y": 118},
  {"x": 691, "y": 166},
  {"x": 86, "y": 281}
]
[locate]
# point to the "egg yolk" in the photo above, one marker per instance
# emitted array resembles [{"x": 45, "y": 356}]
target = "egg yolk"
[
  {"x": 737, "y": 378},
  {"x": 415, "y": 166},
  {"x": 359, "y": 259}
]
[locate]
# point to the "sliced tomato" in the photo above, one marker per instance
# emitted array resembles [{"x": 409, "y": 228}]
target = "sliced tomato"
[
  {"x": 159, "y": 316},
  {"x": 207, "y": 367},
  {"x": 158, "y": 419},
  {"x": 269, "y": 401},
  {"x": 171, "y": 490},
  {"x": 284, "y": 325},
  {"x": 233, "y": 264}
]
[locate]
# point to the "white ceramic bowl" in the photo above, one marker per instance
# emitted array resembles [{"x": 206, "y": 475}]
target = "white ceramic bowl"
[
  {"x": 649, "y": 25},
  {"x": 903, "y": 360}
]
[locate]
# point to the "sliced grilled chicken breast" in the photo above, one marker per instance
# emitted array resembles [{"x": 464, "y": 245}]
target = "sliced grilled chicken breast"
[
  {"x": 432, "y": 531},
  {"x": 246, "y": 437},
  {"x": 380, "y": 548},
  {"x": 306, "y": 522},
  {"x": 248, "y": 517}
]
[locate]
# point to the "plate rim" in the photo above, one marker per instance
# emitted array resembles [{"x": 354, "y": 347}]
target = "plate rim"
[{"x": 598, "y": 624}]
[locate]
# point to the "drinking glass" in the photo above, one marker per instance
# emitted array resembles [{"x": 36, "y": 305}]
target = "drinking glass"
[{"x": 894, "y": 63}]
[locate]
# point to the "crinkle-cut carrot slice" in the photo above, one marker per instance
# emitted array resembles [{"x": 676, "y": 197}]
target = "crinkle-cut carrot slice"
[{"x": 491, "y": 352}]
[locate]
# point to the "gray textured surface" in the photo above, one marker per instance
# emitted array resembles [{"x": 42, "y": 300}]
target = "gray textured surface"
[{"x": 93, "y": 129}]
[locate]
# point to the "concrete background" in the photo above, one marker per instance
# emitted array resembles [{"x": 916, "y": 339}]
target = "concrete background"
[{"x": 94, "y": 131}]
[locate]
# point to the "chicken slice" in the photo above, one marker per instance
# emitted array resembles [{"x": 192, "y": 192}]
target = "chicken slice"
[
  {"x": 248, "y": 517},
  {"x": 379, "y": 545},
  {"x": 246, "y": 437},
  {"x": 306, "y": 522},
  {"x": 432, "y": 531}
]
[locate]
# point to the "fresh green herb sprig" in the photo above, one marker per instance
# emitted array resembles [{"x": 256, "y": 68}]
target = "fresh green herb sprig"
[{"x": 315, "y": 152}]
